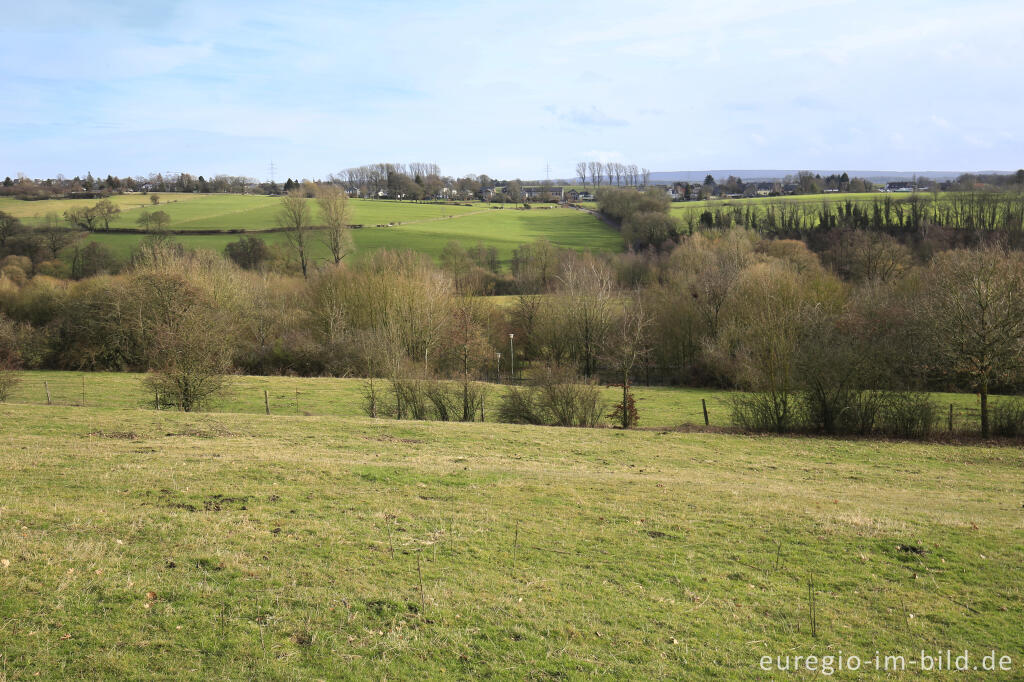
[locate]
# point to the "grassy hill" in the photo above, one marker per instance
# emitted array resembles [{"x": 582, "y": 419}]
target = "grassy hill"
[
  {"x": 137, "y": 544},
  {"x": 504, "y": 229},
  {"x": 426, "y": 228}
]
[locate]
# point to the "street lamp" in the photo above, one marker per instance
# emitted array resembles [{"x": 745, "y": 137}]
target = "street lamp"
[{"x": 512, "y": 357}]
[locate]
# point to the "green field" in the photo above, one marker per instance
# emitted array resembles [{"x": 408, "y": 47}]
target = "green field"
[
  {"x": 504, "y": 229},
  {"x": 137, "y": 544},
  {"x": 233, "y": 211},
  {"x": 658, "y": 406}
]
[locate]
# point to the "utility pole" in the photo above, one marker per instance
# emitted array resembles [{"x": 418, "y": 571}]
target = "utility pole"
[
  {"x": 512, "y": 358},
  {"x": 271, "y": 172}
]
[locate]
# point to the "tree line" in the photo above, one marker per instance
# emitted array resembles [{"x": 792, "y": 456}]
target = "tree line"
[{"x": 844, "y": 340}]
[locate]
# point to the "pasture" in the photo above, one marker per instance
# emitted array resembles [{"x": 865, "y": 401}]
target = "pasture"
[
  {"x": 232, "y": 211},
  {"x": 137, "y": 544},
  {"x": 504, "y": 229},
  {"x": 660, "y": 407}
]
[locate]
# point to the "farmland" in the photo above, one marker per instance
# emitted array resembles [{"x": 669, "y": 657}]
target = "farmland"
[
  {"x": 504, "y": 229},
  {"x": 245, "y": 546},
  {"x": 422, "y": 227}
]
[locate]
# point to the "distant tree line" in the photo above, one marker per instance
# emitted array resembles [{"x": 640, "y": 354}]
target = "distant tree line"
[{"x": 953, "y": 217}]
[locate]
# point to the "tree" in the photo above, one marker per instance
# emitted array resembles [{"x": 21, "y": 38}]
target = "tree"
[
  {"x": 177, "y": 312},
  {"x": 581, "y": 173},
  {"x": 248, "y": 253},
  {"x": 57, "y": 238},
  {"x": 9, "y": 225},
  {"x": 82, "y": 217},
  {"x": 154, "y": 199},
  {"x": 625, "y": 346},
  {"x": 92, "y": 259},
  {"x": 514, "y": 190},
  {"x": 157, "y": 221},
  {"x": 587, "y": 293},
  {"x": 105, "y": 210},
  {"x": 333, "y": 202},
  {"x": 293, "y": 216},
  {"x": 973, "y": 310}
]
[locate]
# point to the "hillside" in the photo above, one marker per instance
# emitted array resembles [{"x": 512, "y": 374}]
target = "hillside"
[{"x": 245, "y": 546}]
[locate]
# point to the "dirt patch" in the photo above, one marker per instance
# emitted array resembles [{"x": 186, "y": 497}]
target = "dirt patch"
[{"x": 117, "y": 435}]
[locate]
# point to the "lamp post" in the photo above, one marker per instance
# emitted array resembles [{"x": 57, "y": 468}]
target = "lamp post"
[
  {"x": 498, "y": 377},
  {"x": 512, "y": 357}
]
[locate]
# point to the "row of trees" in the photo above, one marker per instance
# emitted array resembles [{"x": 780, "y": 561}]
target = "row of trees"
[
  {"x": 844, "y": 343},
  {"x": 951, "y": 218},
  {"x": 598, "y": 173}
]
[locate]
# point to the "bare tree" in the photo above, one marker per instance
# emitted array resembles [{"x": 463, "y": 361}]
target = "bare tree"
[
  {"x": 333, "y": 202},
  {"x": 587, "y": 293},
  {"x": 626, "y": 346},
  {"x": 294, "y": 218},
  {"x": 974, "y": 313},
  {"x": 106, "y": 210},
  {"x": 581, "y": 172}
]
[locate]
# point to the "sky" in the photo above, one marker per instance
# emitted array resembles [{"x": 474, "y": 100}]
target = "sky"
[{"x": 508, "y": 88}]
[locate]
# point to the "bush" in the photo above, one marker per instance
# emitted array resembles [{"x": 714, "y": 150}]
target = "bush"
[
  {"x": 519, "y": 406},
  {"x": 567, "y": 400},
  {"x": 410, "y": 398},
  {"x": 556, "y": 397},
  {"x": 1008, "y": 418},
  {"x": 446, "y": 400},
  {"x": 907, "y": 415},
  {"x": 766, "y": 411},
  {"x": 9, "y": 378}
]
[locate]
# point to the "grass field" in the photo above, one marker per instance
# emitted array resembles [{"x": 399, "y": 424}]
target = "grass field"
[
  {"x": 137, "y": 544},
  {"x": 504, "y": 229},
  {"x": 232, "y": 211},
  {"x": 658, "y": 406}
]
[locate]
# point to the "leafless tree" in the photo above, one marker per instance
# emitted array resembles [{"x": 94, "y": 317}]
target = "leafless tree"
[
  {"x": 626, "y": 346},
  {"x": 581, "y": 173},
  {"x": 294, "y": 218},
  {"x": 333, "y": 202}
]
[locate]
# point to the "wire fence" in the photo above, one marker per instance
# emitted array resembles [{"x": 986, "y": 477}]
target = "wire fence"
[{"x": 659, "y": 407}]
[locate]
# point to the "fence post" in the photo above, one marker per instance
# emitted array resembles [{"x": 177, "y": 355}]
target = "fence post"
[
  {"x": 266, "y": 400},
  {"x": 46, "y": 385},
  {"x": 83, "y": 390},
  {"x": 704, "y": 406},
  {"x": 951, "y": 417}
]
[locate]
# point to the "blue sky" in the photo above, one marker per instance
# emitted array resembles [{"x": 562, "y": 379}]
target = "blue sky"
[{"x": 506, "y": 88}]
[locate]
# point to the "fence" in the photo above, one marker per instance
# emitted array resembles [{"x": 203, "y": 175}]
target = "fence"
[{"x": 660, "y": 407}]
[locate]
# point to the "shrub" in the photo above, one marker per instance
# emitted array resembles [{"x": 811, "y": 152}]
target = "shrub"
[
  {"x": 410, "y": 398},
  {"x": 566, "y": 400},
  {"x": 519, "y": 406},
  {"x": 907, "y": 415},
  {"x": 625, "y": 415},
  {"x": 9, "y": 378},
  {"x": 1008, "y": 417},
  {"x": 764, "y": 411},
  {"x": 445, "y": 398}
]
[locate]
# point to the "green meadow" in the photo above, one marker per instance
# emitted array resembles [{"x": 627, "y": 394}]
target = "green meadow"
[
  {"x": 662, "y": 407},
  {"x": 504, "y": 229},
  {"x": 137, "y": 544}
]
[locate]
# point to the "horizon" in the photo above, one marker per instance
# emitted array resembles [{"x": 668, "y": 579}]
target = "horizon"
[{"x": 102, "y": 88}]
